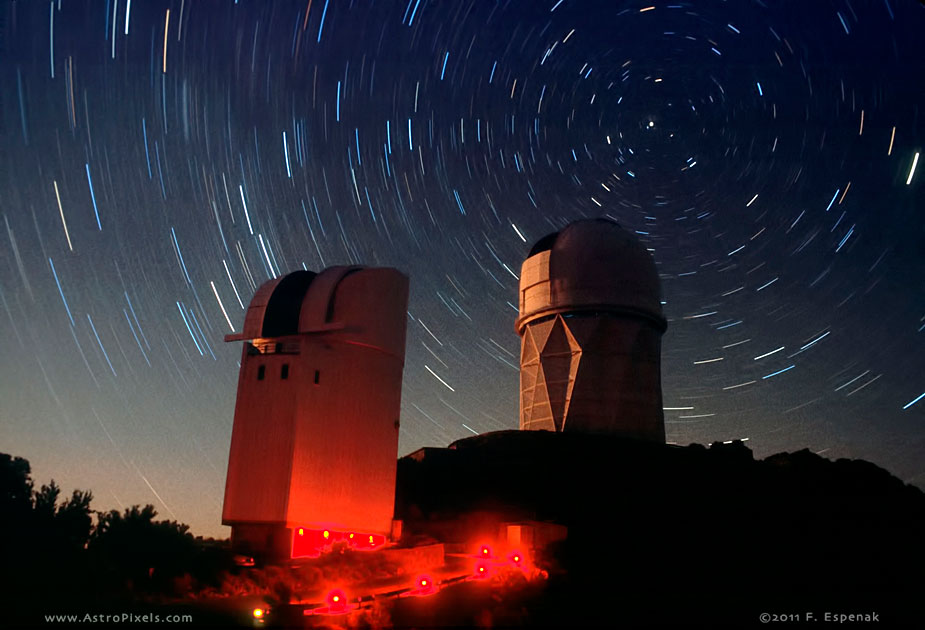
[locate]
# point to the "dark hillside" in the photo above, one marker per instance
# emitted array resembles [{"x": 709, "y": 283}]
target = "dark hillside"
[{"x": 684, "y": 534}]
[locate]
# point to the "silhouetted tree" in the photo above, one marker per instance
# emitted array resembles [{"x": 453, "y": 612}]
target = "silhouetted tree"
[
  {"x": 15, "y": 516},
  {"x": 55, "y": 557},
  {"x": 61, "y": 528},
  {"x": 145, "y": 555},
  {"x": 73, "y": 520},
  {"x": 43, "y": 538},
  {"x": 15, "y": 489},
  {"x": 45, "y": 501}
]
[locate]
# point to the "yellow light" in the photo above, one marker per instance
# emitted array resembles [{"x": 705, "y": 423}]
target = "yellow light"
[
  {"x": 258, "y": 613},
  {"x": 301, "y": 532},
  {"x": 336, "y": 598},
  {"x": 326, "y": 534}
]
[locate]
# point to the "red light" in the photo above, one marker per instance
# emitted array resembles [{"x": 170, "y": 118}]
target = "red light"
[
  {"x": 425, "y": 585},
  {"x": 258, "y": 613},
  {"x": 481, "y": 570},
  {"x": 485, "y": 551},
  {"x": 516, "y": 559},
  {"x": 337, "y": 601}
]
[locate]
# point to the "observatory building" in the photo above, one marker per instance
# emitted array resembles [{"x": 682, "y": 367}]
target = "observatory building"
[
  {"x": 315, "y": 437},
  {"x": 591, "y": 324}
]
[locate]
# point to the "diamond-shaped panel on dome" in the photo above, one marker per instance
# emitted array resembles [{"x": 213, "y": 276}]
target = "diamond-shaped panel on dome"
[
  {"x": 541, "y": 332},
  {"x": 529, "y": 353},
  {"x": 556, "y": 358},
  {"x": 574, "y": 362},
  {"x": 581, "y": 330}
]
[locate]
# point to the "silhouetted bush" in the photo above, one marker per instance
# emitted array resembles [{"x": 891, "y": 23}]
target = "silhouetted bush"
[
  {"x": 140, "y": 554},
  {"x": 55, "y": 556}
]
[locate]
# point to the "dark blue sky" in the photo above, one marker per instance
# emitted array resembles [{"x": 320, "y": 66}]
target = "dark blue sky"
[{"x": 763, "y": 151}]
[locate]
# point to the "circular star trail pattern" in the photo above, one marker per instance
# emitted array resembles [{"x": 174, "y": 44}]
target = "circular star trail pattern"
[{"x": 161, "y": 160}]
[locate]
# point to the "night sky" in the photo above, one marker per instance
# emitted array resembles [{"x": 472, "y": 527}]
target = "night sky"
[{"x": 160, "y": 160}]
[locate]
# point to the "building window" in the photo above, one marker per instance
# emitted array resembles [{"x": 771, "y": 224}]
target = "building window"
[
  {"x": 284, "y": 374},
  {"x": 317, "y": 376},
  {"x": 261, "y": 372}
]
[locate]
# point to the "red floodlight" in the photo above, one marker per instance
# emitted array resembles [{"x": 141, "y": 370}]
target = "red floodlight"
[
  {"x": 337, "y": 604},
  {"x": 485, "y": 551},
  {"x": 517, "y": 559},
  {"x": 482, "y": 570},
  {"x": 337, "y": 601},
  {"x": 424, "y": 585}
]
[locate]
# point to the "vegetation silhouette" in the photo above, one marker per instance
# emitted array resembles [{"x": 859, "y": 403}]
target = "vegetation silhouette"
[{"x": 60, "y": 555}]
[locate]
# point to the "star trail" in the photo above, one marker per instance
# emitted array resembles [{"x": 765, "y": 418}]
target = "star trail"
[{"x": 160, "y": 160}]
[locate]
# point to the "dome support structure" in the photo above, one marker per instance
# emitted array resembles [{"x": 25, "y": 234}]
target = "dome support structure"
[{"x": 591, "y": 322}]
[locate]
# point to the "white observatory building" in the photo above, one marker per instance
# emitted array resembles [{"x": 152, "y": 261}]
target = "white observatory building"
[
  {"x": 591, "y": 324},
  {"x": 315, "y": 437}
]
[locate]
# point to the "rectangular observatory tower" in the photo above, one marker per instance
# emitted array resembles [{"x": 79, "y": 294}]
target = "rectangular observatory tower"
[{"x": 315, "y": 437}]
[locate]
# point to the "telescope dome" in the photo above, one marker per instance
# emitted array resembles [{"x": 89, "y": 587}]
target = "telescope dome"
[{"x": 590, "y": 265}]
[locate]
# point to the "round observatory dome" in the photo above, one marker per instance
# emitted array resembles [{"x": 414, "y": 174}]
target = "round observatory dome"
[{"x": 592, "y": 266}]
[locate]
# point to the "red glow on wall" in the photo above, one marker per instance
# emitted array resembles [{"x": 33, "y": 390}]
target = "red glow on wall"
[
  {"x": 311, "y": 543},
  {"x": 307, "y": 543},
  {"x": 376, "y": 540}
]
